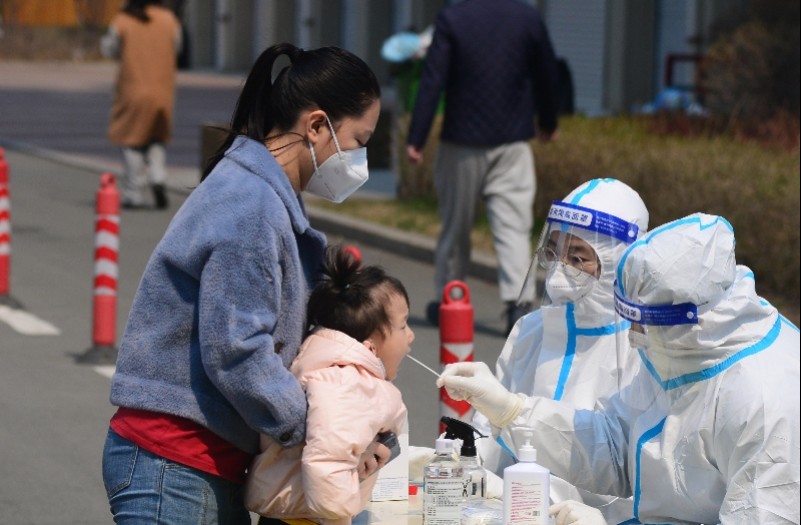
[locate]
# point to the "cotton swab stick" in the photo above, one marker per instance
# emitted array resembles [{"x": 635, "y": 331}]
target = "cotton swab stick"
[{"x": 422, "y": 364}]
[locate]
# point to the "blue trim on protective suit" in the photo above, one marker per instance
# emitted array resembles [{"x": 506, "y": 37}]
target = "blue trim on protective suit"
[
  {"x": 604, "y": 330},
  {"x": 750, "y": 275},
  {"x": 570, "y": 351},
  {"x": 712, "y": 371},
  {"x": 635, "y": 521},
  {"x": 508, "y": 450},
  {"x": 788, "y": 322},
  {"x": 647, "y": 435},
  {"x": 573, "y": 333},
  {"x": 694, "y": 377},
  {"x": 591, "y": 186}
]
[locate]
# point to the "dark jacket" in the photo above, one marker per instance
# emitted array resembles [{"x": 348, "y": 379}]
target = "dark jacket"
[{"x": 495, "y": 63}]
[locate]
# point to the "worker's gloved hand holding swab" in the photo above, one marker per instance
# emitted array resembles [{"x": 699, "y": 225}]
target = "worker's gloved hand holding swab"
[{"x": 475, "y": 383}]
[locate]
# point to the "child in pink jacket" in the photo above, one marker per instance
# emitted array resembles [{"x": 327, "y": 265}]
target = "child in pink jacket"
[{"x": 358, "y": 335}]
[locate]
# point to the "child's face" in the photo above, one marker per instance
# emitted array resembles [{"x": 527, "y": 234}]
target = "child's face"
[{"x": 393, "y": 346}]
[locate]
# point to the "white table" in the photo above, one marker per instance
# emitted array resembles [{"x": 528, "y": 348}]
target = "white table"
[
  {"x": 392, "y": 512},
  {"x": 404, "y": 512}
]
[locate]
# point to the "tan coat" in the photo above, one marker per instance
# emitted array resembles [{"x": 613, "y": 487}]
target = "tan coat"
[
  {"x": 350, "y": 401},
  {"x": 145, "y": 92}
]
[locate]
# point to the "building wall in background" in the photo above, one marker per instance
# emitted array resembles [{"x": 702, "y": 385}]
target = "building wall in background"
[
  {"x": 578, "y": 31},
  {"x": 616, "y": 50}
]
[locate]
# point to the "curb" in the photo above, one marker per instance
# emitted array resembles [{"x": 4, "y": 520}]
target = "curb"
[{"x": 406, "y": 244}]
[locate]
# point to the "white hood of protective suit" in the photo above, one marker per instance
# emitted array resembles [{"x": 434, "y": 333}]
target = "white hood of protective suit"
[
  {"x": 692, "y": 260},
  {"x": 615, "y": 198},
  {"x": 568, "y": 351}
]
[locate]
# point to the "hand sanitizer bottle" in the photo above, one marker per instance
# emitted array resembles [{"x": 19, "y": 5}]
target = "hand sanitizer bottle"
[{"x": 526, "y": 489}]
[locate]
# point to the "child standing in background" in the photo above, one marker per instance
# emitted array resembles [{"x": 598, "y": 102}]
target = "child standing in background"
[{"x": 358, "y": 334}]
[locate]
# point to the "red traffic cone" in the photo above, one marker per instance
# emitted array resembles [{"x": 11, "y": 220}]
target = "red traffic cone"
[{"x": 456, "y": 332}]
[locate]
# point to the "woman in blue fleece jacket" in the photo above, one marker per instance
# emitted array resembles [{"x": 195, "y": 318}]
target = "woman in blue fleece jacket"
[{"x": 220, "y": 310}]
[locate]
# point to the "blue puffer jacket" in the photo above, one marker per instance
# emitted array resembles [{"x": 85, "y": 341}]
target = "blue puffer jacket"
[{"x": 220, "y": 311}]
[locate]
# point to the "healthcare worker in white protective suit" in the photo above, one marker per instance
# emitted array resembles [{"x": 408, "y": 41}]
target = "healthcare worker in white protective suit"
[
  {"x": 708, "y": 431},
  {"x": 567, "y": 349}
]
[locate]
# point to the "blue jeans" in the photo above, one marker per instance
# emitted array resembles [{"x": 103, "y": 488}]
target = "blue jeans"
[{"x": 144, "y": 488}]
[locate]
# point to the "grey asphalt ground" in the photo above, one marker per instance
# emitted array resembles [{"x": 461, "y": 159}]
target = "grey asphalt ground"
[{"x": 53, "y": 411}]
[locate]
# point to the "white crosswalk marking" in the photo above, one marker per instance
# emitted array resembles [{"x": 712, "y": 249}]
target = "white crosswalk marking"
[{"x": 26, "y": 323}]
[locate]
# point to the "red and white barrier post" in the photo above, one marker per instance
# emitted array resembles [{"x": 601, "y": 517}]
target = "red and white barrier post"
[
  {"x": 456, "y": 343},
  {"x": 5, "y": 231},
  {"x": 104, "y": 315}
]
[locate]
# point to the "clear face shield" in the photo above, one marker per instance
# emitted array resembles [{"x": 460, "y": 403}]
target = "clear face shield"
[
  {"x": 569, "y": 262},
  {"x": 653, "y": 329}
]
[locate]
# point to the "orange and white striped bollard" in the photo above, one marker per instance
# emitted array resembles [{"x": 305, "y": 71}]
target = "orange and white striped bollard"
[{"x": 5, "y": 230}]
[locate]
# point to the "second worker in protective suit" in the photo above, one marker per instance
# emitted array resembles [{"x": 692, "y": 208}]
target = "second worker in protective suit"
[
  {"x": 708, "y": 429},
  {"x": 567, "y": 349}
]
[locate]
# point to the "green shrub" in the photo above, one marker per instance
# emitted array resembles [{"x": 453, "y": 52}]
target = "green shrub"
[
  {"x": 755, "y": 187},
  {"x": 415, "y": 181},
  {"x": 751, "y": 70}
]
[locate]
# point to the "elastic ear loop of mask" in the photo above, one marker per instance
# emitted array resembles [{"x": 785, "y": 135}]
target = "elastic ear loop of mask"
[
  {"x": 336, "y": 143},
  {"x": 334, "y": 135},
  {"x": 313, "y": 156}
]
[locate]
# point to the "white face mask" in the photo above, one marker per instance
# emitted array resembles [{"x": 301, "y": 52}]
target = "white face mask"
[
  {"x": 563, "y": 288},
  {"x": 638, "y": 340},
  {"x": 340, "y": 175}
]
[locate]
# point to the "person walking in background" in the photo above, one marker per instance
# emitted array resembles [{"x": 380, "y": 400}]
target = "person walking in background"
[
  {"x": 220, "y": 311},
  {"x": 494, "y": 61},
  {"x": 358, "y": 335},
  {"x": 146, "y": 38}
]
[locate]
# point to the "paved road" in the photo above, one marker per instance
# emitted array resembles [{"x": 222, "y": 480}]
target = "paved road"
[
  {"x": 54, "y": 412},
  {"x": 64, "y": 108}
]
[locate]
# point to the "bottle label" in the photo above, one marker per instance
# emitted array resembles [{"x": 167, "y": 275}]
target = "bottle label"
[
  {"x": 443, "y": 500},
  {"x": 526, "y": 503}
]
